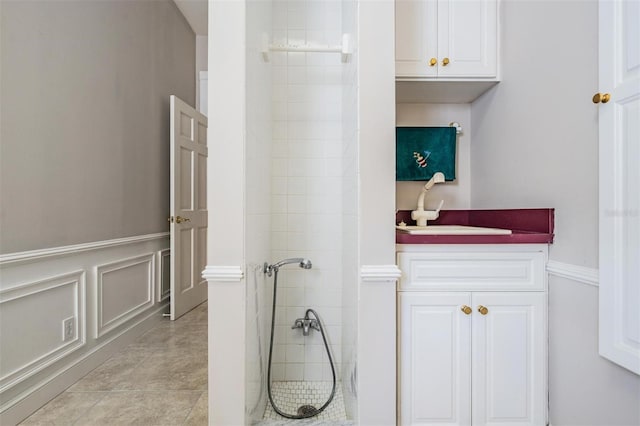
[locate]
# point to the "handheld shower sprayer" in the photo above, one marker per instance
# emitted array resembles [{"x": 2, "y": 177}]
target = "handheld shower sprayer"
[
  {"x": 302, "y": 262},
  {"x": 307, "y": 324}
]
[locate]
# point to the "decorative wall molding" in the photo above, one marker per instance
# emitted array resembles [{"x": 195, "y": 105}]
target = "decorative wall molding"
[
  {"x": 41, "y": 289},
  {"x": 576, "y": 273},
  {"x": 104, "y": 325},
  {"x": 40, "y": 361},
  {"x": 223, "y": 273},
  {"x": 32, "y": 255},
  {"x": 379, "y": 273}
]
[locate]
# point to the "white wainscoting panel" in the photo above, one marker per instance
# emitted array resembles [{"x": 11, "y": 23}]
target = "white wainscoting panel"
[
  {"x": 31, "y": 324},
  {"x": 164, "y": 275},
  {"x": 110, "y": 289},
  {"x": 124, "y": 290}
]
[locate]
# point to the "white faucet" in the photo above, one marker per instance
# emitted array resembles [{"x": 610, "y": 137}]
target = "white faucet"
[{"x": 420, "y": 215}]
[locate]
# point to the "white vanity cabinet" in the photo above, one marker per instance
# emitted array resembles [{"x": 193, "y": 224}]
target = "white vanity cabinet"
[
  {"x": 446, "y": 39},
  {"x": 475, "y": 354}
]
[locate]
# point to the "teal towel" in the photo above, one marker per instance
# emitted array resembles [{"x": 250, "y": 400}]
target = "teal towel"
[{"x": 423, "y": 151}]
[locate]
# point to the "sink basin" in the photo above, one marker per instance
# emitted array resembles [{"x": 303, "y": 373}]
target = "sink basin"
[{"x": 452, "y": 230}]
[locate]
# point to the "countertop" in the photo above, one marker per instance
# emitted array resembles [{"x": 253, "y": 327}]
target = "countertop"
[{"x": 528, "y": 226}]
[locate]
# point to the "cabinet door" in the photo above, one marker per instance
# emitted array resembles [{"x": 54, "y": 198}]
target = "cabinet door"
[
  {"x": 509, "y": 359},
  {"x": 434, "y": 359},
  {"x": 416, "y": 38},
  {"x": 468, "y": 37}
]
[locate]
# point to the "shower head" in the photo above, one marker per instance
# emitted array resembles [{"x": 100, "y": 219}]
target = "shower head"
[
  {"x": 302, "y": 262},
  {"x": 305, "y": 264}
]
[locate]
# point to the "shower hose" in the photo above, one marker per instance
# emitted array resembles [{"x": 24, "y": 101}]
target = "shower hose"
[{"x": 305, "y": 414}]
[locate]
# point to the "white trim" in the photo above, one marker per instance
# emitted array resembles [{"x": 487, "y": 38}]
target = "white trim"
[
  {"x": 377, "y": 273},
  {"x": 27, "y": 256},
  {"x": 223, "y": 273},
  {"x": 581, "y": 274}
]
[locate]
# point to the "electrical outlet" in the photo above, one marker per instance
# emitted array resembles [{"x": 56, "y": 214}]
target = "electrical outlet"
[{"x": 68, "y": 329}]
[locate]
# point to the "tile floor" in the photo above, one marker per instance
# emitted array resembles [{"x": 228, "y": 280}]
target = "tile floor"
[{"x": 159, "y": 380}]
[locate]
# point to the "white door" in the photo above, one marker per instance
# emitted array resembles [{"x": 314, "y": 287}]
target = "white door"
[
  {"x": 188, "y": 205},
  {"x": 467, "y": 38},
  {"x": 435, "y": 359},
  {"x": 619, "y": 141},
  {"x": 509, "y": 359}
]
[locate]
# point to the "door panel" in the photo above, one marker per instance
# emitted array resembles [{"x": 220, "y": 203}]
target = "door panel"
[
  {"x": 509, "y": 359},
  {"x": 416, "y": 37},
  {"x": 188, "y": 207},
  {"x": 202, "y": 182},
  {"x": 201, "y": 255},
  {"x": 186, "y": 258},
  {"x": 186, "y": 186},
  {"x": 435, "y": 359},
  {"x": 467, "y": 36}
]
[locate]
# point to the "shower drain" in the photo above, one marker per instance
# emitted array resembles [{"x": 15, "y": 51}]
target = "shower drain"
[{"x": 305, "y": 410}]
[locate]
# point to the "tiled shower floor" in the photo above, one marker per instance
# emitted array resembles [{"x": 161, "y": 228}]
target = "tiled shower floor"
[
  {"x": 288, "y": 396},
  {"x": 306, "y": 422}
]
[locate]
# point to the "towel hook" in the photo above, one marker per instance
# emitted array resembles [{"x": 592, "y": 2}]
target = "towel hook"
[{"x": 457, "y": 126}]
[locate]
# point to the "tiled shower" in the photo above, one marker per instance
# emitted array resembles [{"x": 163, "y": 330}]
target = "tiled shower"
[{"x": 301, "y": 180}]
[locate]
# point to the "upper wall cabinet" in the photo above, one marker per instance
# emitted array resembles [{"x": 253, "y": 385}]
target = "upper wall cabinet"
[{"x": 447, "y": 41}]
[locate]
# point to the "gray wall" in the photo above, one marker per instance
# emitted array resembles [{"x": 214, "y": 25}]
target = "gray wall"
[
  {"x": 535, "y": 145},
  {"x": 85, "y": 85}
]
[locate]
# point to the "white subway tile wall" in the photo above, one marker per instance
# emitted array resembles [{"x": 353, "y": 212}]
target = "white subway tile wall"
[{"x": 306, "y": 185}]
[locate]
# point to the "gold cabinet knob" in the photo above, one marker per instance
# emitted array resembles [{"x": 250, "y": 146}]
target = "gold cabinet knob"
[
  {"x": 467, "y": 310},
  {"x": 445, "y": 62},
  {"x": 601, "y": 97},
  {"x": 433, "y": 62},
  {"x": 483, "y": 310}
]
